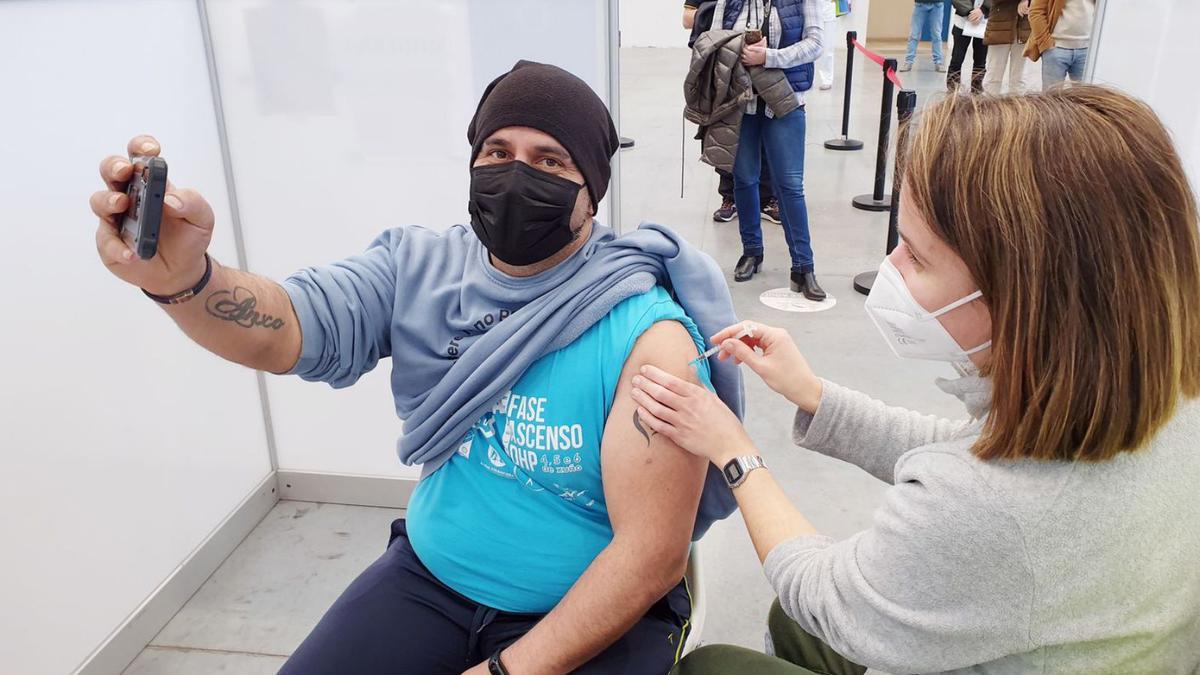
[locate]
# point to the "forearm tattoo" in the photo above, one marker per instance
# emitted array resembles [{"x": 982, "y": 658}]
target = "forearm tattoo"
[
  {"x": 237, "y": 306},
  {"x": 637, "y": 424}
]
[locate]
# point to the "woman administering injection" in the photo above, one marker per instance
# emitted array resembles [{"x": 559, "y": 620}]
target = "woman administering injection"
[{"x": 1055, "y": 529}]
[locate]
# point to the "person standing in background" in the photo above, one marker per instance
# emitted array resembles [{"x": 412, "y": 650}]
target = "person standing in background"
[
  {"x": 1006, "y": 35},
  {"x": 925, "y": 13},
  {"x": 791, "y": 36},
  {"x": 1060, "y": 34},
  {"x": 697, "y": 17},
  {"x": 825, "y": 63},
  {"x": 966, "y": 12}
]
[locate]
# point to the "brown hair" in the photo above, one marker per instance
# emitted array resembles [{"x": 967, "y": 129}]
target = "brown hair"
[{"x": 1073, "y": 214}]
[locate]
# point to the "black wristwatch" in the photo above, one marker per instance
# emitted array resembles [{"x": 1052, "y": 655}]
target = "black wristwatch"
[
  {"x": 184, "y": 296},
  {"x": 739, "y": 467},
  {"x": 495, "y": 665}
]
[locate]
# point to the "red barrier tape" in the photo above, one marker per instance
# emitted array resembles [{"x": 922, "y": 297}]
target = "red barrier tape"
[
  {"x": 868, "y": 53},
  {"x": 891, "y": 74}
]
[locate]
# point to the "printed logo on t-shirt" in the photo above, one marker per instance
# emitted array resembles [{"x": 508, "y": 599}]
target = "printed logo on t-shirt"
[
  {"x": 534, "y": 444},
  {"x": 495, "y": 458},
  {"x": 524, "y": 441}
]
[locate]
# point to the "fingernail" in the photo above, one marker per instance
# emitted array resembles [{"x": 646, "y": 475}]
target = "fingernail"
[
  {"x": 127, "y": 255},
  {"x": 643, "y": 369},
  {"x": 174, "y": 202},
  {"x": 118, "y": 167},
  {"x": 148, "y": 146},
  {"x": 112, "y": 201}
]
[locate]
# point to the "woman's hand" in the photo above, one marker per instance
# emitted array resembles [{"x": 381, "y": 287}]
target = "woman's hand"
[
  {"x": 975, "y": 16},
  {"x": 780, "y": 365},
  {"x": 1023, "y": 8},
  {"x": 755, "y": 54},
  {"x": 690, "y": 415}
]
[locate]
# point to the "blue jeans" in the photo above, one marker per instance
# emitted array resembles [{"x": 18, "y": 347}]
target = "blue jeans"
[
  {"x": 782, "y": 138},
  {"x": 925, "y": 13},
  {"x": 1058, "y": 63}
]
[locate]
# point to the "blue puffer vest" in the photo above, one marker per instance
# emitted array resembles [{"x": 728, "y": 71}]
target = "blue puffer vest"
[{"x": 791, "y": 16}]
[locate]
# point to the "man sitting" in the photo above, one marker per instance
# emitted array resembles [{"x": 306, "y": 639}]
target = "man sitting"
[{"x": 550, "y": 531}]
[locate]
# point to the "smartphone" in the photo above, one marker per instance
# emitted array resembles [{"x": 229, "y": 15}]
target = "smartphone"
[{"x": 146, "y": 190}]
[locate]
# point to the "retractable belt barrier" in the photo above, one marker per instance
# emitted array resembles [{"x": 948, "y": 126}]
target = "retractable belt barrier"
[
  {"x": 906, "y": 103},
  {"x": 844, "y": 142}
]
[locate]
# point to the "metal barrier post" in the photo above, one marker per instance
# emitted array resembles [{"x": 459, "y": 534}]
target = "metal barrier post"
[
  {"x": 845, "y": 142},
  {"x": 906, "y": 103},
  {"x": 876, "y": 201}
]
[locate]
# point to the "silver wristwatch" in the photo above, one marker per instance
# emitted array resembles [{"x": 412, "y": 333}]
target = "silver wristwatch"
[{"x": 739, "y": 467}]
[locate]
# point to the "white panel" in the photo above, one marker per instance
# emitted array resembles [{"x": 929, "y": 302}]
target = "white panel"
[
  {"x": 345, "y": 119},
  {"x": 1149, "y": 49},
  {"x": 653, "y": 24},
  {"x": 123, "y": 444}
]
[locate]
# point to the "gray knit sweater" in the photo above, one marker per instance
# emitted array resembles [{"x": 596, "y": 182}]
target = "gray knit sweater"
[{"x": 1006, "y": 566}]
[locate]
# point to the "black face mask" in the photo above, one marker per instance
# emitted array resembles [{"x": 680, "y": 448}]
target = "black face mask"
[{"x": 521, "y": 215}]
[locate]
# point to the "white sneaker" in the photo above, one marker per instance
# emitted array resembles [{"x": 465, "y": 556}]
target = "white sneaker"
[
  {"x": 906, "y": 67},
  {"x": 826, "y": 87},
  {"x": 941, "y": 68}
]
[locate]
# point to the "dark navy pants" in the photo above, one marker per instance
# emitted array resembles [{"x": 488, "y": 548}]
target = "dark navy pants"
[{"x": 396, "y": 617}]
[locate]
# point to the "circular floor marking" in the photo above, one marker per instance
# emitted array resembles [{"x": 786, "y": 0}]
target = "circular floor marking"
[{"x": 784, "y": 299}]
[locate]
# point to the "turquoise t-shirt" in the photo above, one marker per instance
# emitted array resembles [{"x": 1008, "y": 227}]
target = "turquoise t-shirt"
[{"x": 517, "y": 514}]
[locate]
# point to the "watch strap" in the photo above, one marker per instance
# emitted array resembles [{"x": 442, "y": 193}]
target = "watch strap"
[
  {"x": 495, "y": 665},
  {"x": 184, "y": 296},
  {"x": 737, "y": 469}
]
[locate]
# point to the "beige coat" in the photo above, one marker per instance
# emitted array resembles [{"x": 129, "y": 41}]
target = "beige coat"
[{"x": 1043, "y": 15}]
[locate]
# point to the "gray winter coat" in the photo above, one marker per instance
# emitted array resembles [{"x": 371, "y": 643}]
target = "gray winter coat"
[{"x": 718, "y": 88}]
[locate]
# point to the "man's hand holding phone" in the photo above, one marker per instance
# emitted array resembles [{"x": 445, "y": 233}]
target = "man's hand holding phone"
[{"x": 184, "y": 231}]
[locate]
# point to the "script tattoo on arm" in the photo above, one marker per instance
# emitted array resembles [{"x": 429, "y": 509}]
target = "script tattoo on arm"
[
  {"x": 237, "y": 306},
  {"x": 637, "y": 424}
]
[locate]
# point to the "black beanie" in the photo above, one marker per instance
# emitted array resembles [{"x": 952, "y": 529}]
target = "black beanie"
[{"x": 551, "y": 100}]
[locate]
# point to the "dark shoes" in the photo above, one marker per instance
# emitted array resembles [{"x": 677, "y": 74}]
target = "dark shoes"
[
  {"x": 747, "y": 267},
  {"x": 770, "y": 211},
  {"x": 726, "y": 213},
  {"x": 806, "y": 283}
]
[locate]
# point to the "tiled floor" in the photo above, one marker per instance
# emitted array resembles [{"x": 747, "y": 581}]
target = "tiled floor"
[{"x": 271, "y": 591}]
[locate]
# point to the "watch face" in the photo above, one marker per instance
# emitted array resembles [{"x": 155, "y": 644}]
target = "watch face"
[{"x": 734, "y": 472}]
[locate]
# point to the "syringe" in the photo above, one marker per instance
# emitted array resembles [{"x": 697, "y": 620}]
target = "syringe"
[{"x": 747, "y": 331}]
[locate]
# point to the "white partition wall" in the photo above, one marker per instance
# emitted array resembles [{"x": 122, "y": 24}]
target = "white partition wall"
[
  {"x": 122, "y": 444},
  {"x": 1149, "y": 49},
  {"x": 345, "y": 119}
]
